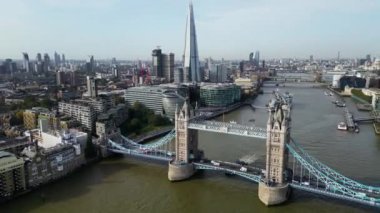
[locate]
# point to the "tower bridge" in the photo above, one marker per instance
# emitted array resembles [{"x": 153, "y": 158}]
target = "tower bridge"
[{"x": 287, "y": 167}]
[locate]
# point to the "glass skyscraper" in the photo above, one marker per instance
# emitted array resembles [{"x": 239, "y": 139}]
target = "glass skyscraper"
[{"x": 190, "y": 56}]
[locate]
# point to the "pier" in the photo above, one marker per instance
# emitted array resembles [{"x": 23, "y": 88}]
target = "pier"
[{"x": 349, "y": 120}]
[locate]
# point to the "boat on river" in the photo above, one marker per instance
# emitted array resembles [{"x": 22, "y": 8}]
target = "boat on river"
[{"x": 342, "y": 126}]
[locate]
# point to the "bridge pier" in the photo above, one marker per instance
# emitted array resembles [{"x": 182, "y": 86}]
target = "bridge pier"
[
  {"x": 273, "y": 188},
  {"x": 186, "y": 146},
  {"x": 180, "y": 171},
  {"x": 273, "y": 195}
]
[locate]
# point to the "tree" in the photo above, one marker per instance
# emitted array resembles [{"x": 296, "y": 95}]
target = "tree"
[
  {"x": 19, "y": 117},
  {"x": 47, "y": 103}
]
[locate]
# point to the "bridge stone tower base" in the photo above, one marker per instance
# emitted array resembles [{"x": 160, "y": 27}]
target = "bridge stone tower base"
[
  {"x": 179, "y": 172},
  {"x": 274, "y": 187},
  {"x": 186, "y": 147},
  {"x": 273, "y": 195}
]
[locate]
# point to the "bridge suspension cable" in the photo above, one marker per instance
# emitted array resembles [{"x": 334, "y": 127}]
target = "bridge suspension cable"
[
  {"x": 335, "y": 175},
  {"x": 338, "y": 189}
]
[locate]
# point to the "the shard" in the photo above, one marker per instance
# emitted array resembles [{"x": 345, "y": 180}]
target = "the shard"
[{"x": 190, "y": 56}]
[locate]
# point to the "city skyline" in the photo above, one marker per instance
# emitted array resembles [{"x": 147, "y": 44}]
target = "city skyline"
[{"x": 225, "y": 29}]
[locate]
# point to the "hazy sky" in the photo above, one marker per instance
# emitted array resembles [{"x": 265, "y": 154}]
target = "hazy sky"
[{"x": 130, "y": 29}]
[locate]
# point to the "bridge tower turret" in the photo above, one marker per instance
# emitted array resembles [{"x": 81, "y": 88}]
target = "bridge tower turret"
[
  {"x": 273, "y": 189},
  {"x": 186, "y": 146}
]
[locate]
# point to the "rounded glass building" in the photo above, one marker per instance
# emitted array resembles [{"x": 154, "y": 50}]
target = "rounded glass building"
[{"x": 219, "y": 95}]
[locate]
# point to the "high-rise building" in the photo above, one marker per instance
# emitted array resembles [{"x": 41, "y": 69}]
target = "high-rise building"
[
  {"x": 157, "y": 62},
  {"x": 311, "y": 58},
  {"x": 92, "y": 90},
  {"x": 190, "y": 57},
  {"x": 60, "y": 77},
  {"x": 178, "y": 75},
  {"x": 254, "y": 58},
  {"x": 26, "y": 64},
  {"x": 57, "y": 59},
  {"x": 39, "y": 57},
  {"x": 39, "y": 63},
  {"x": 46, "y": 62},
  {"x": 218, "y": 73},
  {"x": 251, "y": 57},
  {"x": 115, "y": 71},
  {"x": 90, "y": 64},
  {"x": 257, "y": 58},
  {"x": 9, "y": 66},
  {"x": 113, "y": 61},
  {"x": 368, "y": 58},
  {"x": 63, "y": 59},
  {"x": 168, "y": 66}
]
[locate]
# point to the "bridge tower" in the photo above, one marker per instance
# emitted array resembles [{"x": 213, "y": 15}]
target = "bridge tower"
[
  {"x": 186, "y": 146},
  {"x": 274, "y": 188}
]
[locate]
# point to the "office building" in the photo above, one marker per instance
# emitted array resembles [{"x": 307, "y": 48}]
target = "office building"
[
  {"x": 178, "y": 75},
  {"x": 157, "y": 63},
  {"x": 191, "y": 63},
  {"x": 254, "y": 58},
  {"x": 161, "y": 99},
  {"x": 115, "y": 71},
  {"x": 9, "y": 66},
  {"x": 57, "y": 59},
  {"x": 90, "y": 65},
  {"x": 12, "y": 174},
  {"x": 168, "y": 67},
  {"x": 46, "y": 66},
  {"x": 67, "y": 78},
  {"x": 218, "y": 73},
  {"x": 26, "y": 64},
  {"x": 219, "y": 95},
  {"x": 92, "y": 90}
]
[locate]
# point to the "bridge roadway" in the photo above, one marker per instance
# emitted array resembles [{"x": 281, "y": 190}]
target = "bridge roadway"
[
  {"x": 230, "y": 168},
  {"x": 228, "y": 128}
]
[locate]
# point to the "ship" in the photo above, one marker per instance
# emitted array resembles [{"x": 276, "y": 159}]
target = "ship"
[{"x": 342, "y": 126}]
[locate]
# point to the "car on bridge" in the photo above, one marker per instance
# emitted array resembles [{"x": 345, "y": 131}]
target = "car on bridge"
[
  {"x": 243, "y": 169},
  {"x": 204, "y": 160},
  {"x": 215, "y": 163}
]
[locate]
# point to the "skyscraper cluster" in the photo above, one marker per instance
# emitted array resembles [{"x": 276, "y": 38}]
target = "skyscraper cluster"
[
  {"x": 58, "y": 60},
  {"x": 41, "y": 64},
  {"x": 162, "y": 65}
]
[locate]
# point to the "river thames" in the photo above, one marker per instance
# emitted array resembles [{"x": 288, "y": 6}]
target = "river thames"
[{"x": 128, "y": 185}]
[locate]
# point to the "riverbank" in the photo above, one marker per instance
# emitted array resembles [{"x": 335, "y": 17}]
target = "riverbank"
[
  {"x": 88, "y": 162},
  {"x": 152, "y": 135}
]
